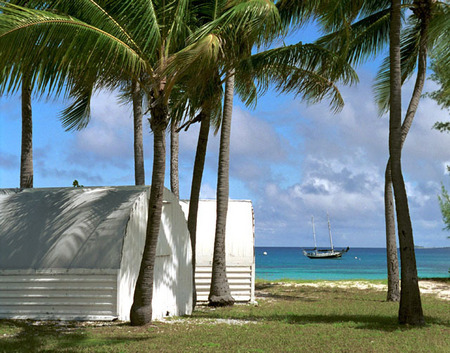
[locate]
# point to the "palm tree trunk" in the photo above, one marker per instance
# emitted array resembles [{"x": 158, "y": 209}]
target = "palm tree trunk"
[
  {"x": 141, "y": 310},
  {"x": 393, "y": 292},
  {"x": 139, "y": 171},
  {"x": 410, "y": 311},
  {"x": 391, "y": 246},
  {"x": 26, "y": 155},
  {"x": 197, "y": 176},
  {"x": 220, "y": 294},
  {"x": 174, "y": 148}
]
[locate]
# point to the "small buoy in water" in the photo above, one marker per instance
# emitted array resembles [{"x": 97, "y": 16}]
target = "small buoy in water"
[
  {"x": 356, "y": 258},
  {"x": 264, "y": 253}
]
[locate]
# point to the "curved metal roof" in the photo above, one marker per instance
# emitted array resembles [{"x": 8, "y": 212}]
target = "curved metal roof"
[{"x": 65, "y": 228}]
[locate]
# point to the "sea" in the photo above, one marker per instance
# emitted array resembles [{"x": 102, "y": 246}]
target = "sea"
[{"x": 277, "y": 263}]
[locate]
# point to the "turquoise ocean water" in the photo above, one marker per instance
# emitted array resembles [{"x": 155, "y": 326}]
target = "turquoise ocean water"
[{"x": 358, "y": 263}]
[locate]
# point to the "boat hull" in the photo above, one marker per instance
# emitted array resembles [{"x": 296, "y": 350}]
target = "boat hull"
[
  {"x": 318, "y": 254},
  {"x": 324, "y": 256}
]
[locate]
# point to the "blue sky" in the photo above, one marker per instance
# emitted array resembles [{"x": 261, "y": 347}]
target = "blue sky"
[{"x": 291, "y": 159}]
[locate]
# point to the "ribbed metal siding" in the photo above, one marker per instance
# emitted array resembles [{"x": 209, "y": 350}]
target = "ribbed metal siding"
[
  {"x": 240, "y": 279},
  {"x": 64, "y": 295}
]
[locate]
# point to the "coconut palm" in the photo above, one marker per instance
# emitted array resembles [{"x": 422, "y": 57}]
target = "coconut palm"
[
  {"x": 215, "y": 41},
  {"x": 425, "y": 29},
  {"x": 303, "y": 69},
  {"x": 245, "y": 14},
  {"x": 410, "y": 311},
  {"x": 416, "y": 43}
]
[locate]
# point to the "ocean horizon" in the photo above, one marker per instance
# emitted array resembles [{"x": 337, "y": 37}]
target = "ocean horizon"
[{"x": 276, "y": 263}]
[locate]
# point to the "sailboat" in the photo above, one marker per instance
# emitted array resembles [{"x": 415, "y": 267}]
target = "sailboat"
[{"x": 323, "y": 253}]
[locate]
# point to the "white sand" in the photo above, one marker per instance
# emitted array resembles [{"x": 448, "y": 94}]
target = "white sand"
[{"x": 439, "y": 289}]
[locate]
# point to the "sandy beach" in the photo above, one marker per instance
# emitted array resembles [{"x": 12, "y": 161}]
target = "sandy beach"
[{"x": 437, "y": 288}]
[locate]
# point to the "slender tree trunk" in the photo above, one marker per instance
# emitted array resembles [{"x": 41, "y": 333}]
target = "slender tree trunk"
[
  {"x": 410, "y": 311},
  {"x": 220, "y": 294},
  {"x": 391, "y": 245},
  {"x": 174, "y": 147},
  {"x": 26, "y": 157},
  {"x": 199, "y": 165},
  {"x": 139, "y": 171},
  {"x": 393, "y": 292},
  {"x": 141, "y": 310}
]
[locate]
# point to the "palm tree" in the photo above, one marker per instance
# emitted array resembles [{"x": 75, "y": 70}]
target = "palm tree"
[
  {"x": 402, "y": 59},
  {"x": 366, "y": 37},
  {"x": 410, "y": 311},
  {"x": 215, "y": 40},
  {"x": 220, "y": 293},
  {"x": 302, "y": 69},
  {"x": 414, "y": 50}
]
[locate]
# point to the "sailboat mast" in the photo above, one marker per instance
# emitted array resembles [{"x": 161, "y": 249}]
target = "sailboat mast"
[
  {"x": 329, "y": 231},
  {"x": 314, "y": 232}
]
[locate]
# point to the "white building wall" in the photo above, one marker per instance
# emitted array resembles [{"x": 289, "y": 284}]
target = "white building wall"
[
  {"x": 172, "y": 285},
  {"x": 239, "y": 247},
  {"x": 133, "y": 246},
  {"x": 58, "y": 294}
]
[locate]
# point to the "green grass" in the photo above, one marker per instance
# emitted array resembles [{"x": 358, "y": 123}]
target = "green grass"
[{"x": 287, "y": 319}]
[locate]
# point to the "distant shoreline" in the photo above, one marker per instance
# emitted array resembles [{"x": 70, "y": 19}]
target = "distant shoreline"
[{"x": 439, "y": 287}]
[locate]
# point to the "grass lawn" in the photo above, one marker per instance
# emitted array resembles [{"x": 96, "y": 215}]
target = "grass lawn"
[{"x": 288, "y": 318}]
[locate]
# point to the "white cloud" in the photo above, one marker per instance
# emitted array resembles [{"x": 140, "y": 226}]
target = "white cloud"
[{"x": 340, "y": 162}]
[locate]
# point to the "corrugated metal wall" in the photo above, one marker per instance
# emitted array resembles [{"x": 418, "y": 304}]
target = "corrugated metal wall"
[
  {"x": 58, "y": 294},
  {"x": 239, "y": 278}
]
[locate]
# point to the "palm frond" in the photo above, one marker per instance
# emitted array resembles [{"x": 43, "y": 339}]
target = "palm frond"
[
  {"x": 306, "y": 70},
  {"x": 365, "y": 38},
  {"x": 57, "y": 45},
  {"x": 178, "y": 30},
  {"x": 142, "y": 19},
  {"x": 256, "y": 21},
  {"x": 408, "y": 56},
  {"x": 78, "y": 114},
  {"x": 295, "y": 13}
]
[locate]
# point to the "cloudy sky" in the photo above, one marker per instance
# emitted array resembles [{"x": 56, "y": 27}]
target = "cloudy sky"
[{"x": 291, "y": 159}]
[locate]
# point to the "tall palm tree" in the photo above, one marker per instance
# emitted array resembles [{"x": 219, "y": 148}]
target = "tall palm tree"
[
  {"x": 220, "y": 293},
  {"x": 415, "y": 45},
  {"x": 303, "y": 69},
  {"x": 410, "y": 311},
  {"x": 216, "y": 41},
  {"x": 367, "y": 36}
]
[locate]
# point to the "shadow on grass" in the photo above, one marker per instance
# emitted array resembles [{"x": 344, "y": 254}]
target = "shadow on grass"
[
  {"x": 384, "y": 323},
  {"x": 367, "y": 322},
  {"x": 53, "y": 338}
]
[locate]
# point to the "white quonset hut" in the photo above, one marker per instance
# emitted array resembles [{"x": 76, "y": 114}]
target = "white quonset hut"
[
  {"x": 75, "y": 253},
  {"x": 239, "y": 247}
]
